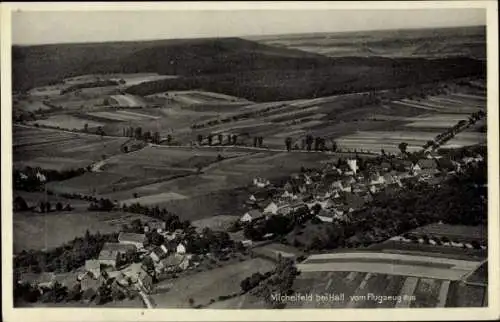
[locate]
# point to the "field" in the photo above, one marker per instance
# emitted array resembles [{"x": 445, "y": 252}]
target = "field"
[
  {"x": 421, "y": 43},
  {"x": 53, "y": 149},
  {"x": 66, "y": 121},
  {"x": 42, "y": 231},
  {"x": 204, "y": 286},
  {"x": 357, "y": 284}
]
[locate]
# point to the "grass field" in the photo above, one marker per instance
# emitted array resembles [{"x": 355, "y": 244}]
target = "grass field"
[
  {"x": 204, "y": 286},
  {"x": 40, "y": 231}
]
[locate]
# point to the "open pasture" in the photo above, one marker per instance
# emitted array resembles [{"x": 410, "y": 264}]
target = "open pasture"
[
  {"x": 207, "y": 285},
  {"x": 39, "y": 231}
]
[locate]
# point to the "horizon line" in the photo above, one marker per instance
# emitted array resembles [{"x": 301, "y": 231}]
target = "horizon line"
[{"x": 245, "y": 36}]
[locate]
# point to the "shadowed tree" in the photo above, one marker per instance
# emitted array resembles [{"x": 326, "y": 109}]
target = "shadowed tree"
[
  {"x": 261, "y": 141},
  {"x": 220, "y": 138},
  {"x": 309, "y": 142},
  {"x": 402, "y": 147},
  {"x": 199, "y": 138},
  {"x": 288, "y": 143}
]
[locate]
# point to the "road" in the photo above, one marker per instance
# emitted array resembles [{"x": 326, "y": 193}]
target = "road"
[{"x": 145, "y": 297}]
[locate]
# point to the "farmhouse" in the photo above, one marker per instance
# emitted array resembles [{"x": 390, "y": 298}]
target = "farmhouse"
[
  {"x": 251, "y": 216},
  {"x": 427, "y": 164},
  {"x": 181, "y": 249},
  {"x": 94, "y": 267},
  {"x": 132, "y": 239},
  {"x": 109, "y": 257},
  {"x": 272, "y": 208},
  {"x": 158, "y": 253}
]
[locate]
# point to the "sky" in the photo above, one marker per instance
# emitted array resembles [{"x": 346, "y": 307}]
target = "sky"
[{"x": 50, "y": 27}]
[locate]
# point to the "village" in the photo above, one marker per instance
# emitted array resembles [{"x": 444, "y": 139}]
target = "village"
[
  {"x": 341, "y": 187},
  {"x": 147, "y": 253}
]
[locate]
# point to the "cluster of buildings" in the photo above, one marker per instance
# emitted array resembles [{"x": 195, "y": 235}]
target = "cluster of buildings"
[
  {"x": 122, "y": 265},
  {"x": 341, "y": 188}
]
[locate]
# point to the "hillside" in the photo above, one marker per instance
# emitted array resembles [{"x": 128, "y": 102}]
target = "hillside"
[
  {"x": 234, "y": 66},
  {"x": 40, "y": 65}
]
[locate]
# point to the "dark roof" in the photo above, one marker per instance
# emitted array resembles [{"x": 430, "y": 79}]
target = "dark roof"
[
  {"x": 131, "y": 237},
  {"x": 427, "y": 163},
  {"x": 122, "y": 248},
  {"x": 108, "y": 254}
]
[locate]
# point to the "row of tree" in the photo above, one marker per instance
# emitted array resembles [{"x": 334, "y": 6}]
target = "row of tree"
[
  {"x": 307, "y": 143},
  {"x": 147, "y": 136},
  {"x": 230, "y": 139}
]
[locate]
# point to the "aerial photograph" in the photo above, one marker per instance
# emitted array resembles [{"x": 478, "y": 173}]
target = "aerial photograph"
[{"x": 215, "y": 159}]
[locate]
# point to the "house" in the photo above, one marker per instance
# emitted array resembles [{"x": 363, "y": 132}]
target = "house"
[
  {"x": 445, "y": 164},
  {"x": 385, "y": 166},
  {"x": 352, "y": 163},
  {"x": 120, "y": 248},
  {"x": 159, "y": 226},
  {"x": 251, "y": 215},
  {"x": 132, "y": 272},
  {"x": 93, "y": 266},
  {"x": 68, "y": 280},
  {"x": 376, "y": 179},
  {"x": 109, "y": 257},
  {"x": 158, "y": 253},
  {"x": 272, "y": 208},
  {"x": 389, "y": 179},
  {"x": 89, "y": 282},
  {"x": 181, "y": 249},
  {"x": 175, "y": 262},
  {"x": 132, "y": 239},
  {"x": 325, "y": 216},
  {"x": 261, "y": 182},
  {"x": 427, "y": 164}
]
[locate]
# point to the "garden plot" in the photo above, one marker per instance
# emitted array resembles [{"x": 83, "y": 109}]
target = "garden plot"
[
  {"x": 207, "y": 285},
  {"x": 66, "y": 121}
]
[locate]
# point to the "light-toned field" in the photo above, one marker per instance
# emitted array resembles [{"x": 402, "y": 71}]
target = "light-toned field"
[
  {"x": 117, "y": 116},
  {"x": 40, "y": 231},
  {"x": 66, "y": 121},
  {"x": 204, "y": 286}
]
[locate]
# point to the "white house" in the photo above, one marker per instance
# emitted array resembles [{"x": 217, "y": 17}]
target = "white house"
[
  {"x": 181, "y": 249},
  {"x": 251, "y": 216},
  {"x": 352, "y": 163},
  {"x": 272, "y": 208},
  {"x": 252, "y": 198}
]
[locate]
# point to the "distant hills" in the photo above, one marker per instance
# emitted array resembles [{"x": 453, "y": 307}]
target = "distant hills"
[{"x": 258, "y": 71}]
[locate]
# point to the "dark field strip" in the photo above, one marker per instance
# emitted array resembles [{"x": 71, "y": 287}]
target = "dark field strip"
[
  {"x": 426, "y": 295},
  {"x": 393, "y": 286},
  {"x": 462, "y": 295},
  {"x": 378, "y": 261}
]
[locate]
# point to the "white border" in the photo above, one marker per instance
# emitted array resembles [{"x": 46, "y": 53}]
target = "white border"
[{"x": 95, "y": 314}]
